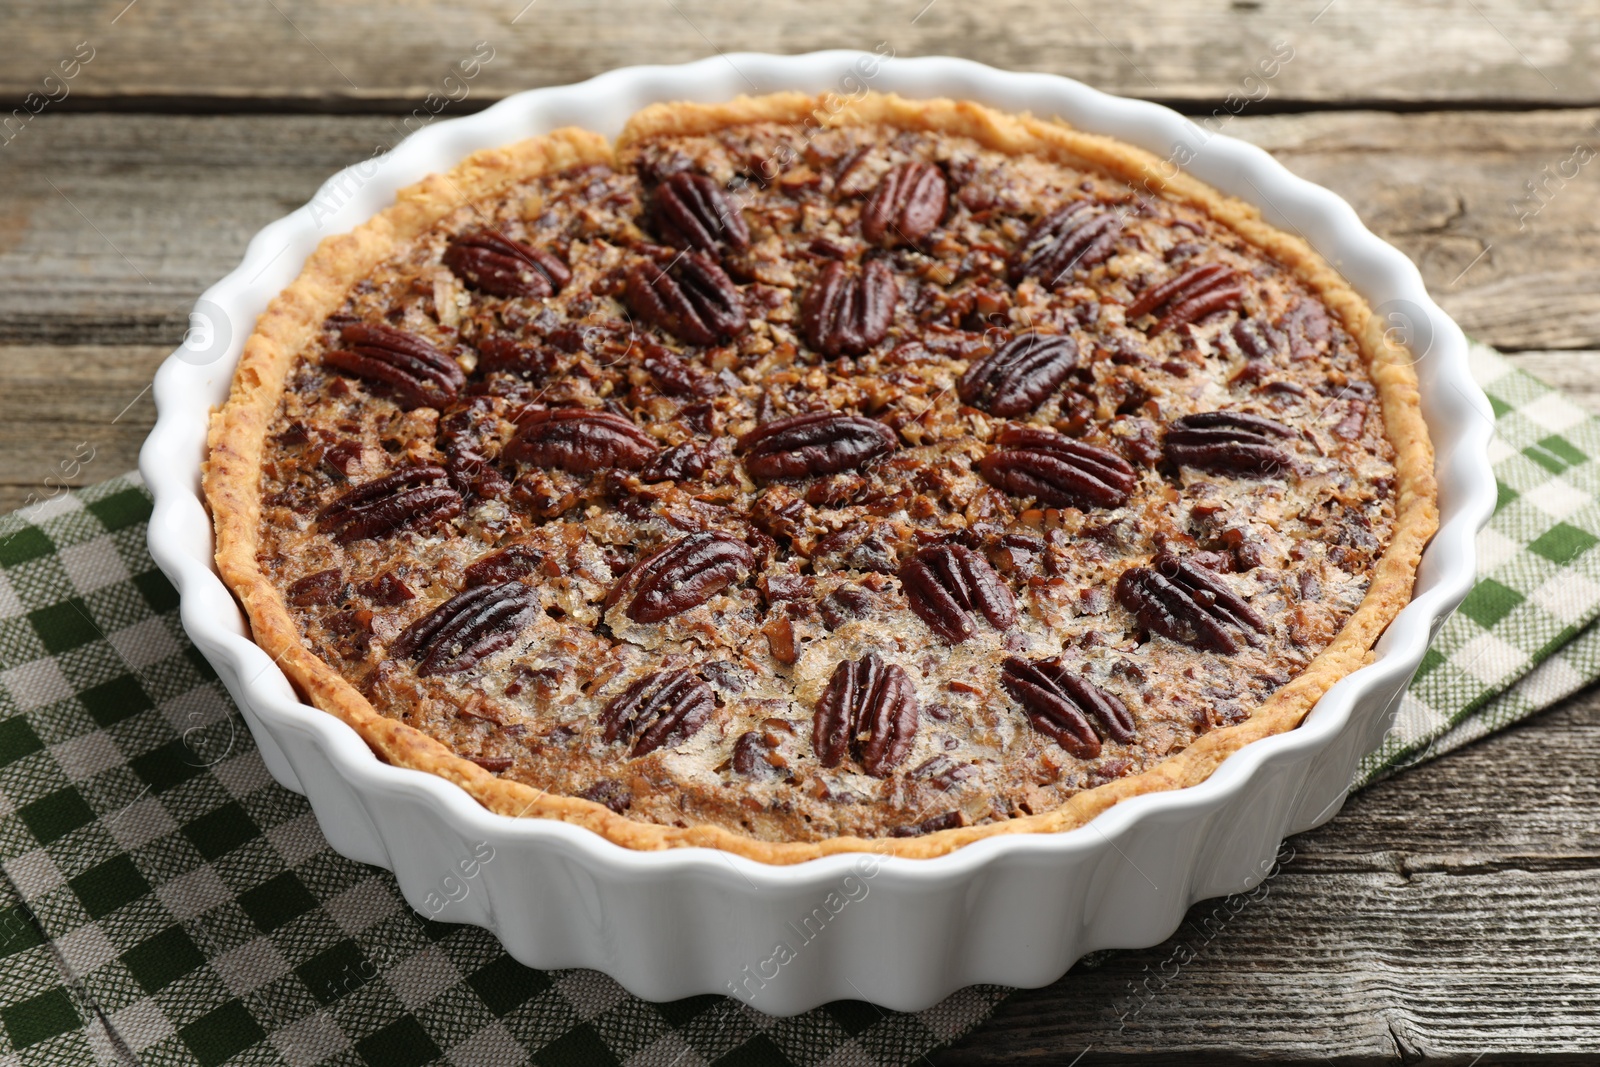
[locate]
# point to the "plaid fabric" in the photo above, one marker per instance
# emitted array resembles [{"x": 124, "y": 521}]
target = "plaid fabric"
[
  {"x": 163, "y": 901},
  {"x": 1522, "y": 640}
]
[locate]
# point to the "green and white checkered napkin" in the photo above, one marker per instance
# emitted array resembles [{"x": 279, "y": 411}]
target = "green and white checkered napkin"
[{"x": 165, "y": 902}]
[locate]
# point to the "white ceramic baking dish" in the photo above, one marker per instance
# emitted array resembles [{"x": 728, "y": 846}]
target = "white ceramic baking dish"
[{"x": 1015, "y": 909}]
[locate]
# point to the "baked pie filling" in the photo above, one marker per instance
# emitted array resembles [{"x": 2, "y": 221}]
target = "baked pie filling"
[{"x": 813, "y": 481}]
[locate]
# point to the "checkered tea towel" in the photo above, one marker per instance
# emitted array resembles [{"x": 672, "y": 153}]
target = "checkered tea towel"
[{"x": 163, "y": 901}]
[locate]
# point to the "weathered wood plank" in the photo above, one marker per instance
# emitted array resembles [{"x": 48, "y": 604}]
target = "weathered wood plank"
[
  {"x": 301, "y": 54},
  {"x": 1445, "y": 914},
  {"x": 71, "y": 416},
  {"x": 1501, "y": 212},
  {"x": 113, "y": 224}
]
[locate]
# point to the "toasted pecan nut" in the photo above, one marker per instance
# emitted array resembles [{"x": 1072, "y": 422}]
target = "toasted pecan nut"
[
  {"x": 677, "y": 376},
  {"x": 946, "y": 584},
  {"x": 691, "y": 211},
  {"x": 1190, "y": 297},
  {"x": 1073, "y": 237},
  {"x": 1056, "y": 470},
  {"x": 846, "y": 312},
  {"x": 1181, "y": 600},
  {"x": 408, "y": 499},
  {"x": 1059, "y": 703},
  {"x": 685, "y": 574},
  {"x": 665, "y": 707},
  {"x": 1231, "y": 442},
  {"x": 819, "y": 443},
  {"x": 680, "y": 463},
  {"x": 691, "y": 298},
  {"x": 869, "y": 708},
  {"x": 1257, "y": 341},
  {"x": 514, "y": 561},
  {"x": 1308, "y": 328},
  {"x": 1016, "y": 377},
  {"x": 461, "y": 632},
  {"x": 579, "y": 441},
  {"x": 417, "y": 373},
  {"x": 323, "y": 587},
  {"x": 907, "y": 205},
  {"x": 491, "y": 262}
]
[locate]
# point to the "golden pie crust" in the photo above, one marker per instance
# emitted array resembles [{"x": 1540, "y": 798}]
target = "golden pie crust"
[{"x": 239, "y": 430}]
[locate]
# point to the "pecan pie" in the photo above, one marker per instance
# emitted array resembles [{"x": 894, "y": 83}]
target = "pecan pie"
[{"x": 801, "y": 475}]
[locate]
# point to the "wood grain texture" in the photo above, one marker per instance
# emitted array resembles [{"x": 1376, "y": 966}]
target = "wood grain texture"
[
  {"x": 298, "y": 53},
  {"x": 1501, "y": 212},
  {"x": 112, "y": 224},
  {"x": 71, "y": 416},
  {"x": 1449, "y": 913}
]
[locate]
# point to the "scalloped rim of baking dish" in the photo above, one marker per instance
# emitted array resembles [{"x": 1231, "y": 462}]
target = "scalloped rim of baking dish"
[{"x": 186, "y": 387}]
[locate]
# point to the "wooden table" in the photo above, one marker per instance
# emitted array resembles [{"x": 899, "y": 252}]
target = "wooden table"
[{"x": 1450, "y": 914}]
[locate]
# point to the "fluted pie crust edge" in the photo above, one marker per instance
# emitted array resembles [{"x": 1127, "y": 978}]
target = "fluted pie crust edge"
[{"x": 232, "y": 473}]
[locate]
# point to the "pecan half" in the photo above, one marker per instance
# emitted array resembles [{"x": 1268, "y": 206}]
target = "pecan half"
[
  {"x": 1308, "y": 328},
  {"x": 820, "y": 443},
  {"x": 323, "y": 587},
  {"x": 458, "y": 634},
  {"x": 493, "y": 263},
  {"x": 691, "y": 211},
  {"x": 1190, "y": 296},
  {"x": 1257, "y": 341},
  {"x": 1016, "y": 377},
  {"x": 417, "y": 373},
  {"x": 386, "y": 590},
  {"x": 1059, "y": 704},
  {"x": 685, "y": 574},
  {"x": 945, "y": 584},
  {"x": 675, "y": 375},
  {"x": 1232, "y": 442},
  {"x": 680, "y": 463},
  {"x": 579, "y": 441},
  {"x": 1075, "y": 236},
  {"x": 514, "y": 561},
  {"x": 691, "y": 298},
  {"x": 1179, "y": 599},
  {"x": 869, "y": 709},
  {"x": 907, "y": 204},
  {"x": 1057, "y": 470},
  {"x": 846, "y": 312},
  {"x": 660, "y": 708},
  {"x": 408, "y": 499}
]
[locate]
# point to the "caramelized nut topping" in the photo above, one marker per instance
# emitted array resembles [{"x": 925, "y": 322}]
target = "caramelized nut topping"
[
  {"x": 869, "y": 710},
  {"x": 1059, "y": 704},
  {"x": 493, "y": 263},
  {"x": 1234, "y": 442},
  {"x": 1016, "y": 377},
  {"x": 685, "y": 574},
  {"x": 1056, "y": 470},
  {"x": 945, "y": 584},
  {"x": 906, "y": 206},
  {"x": 667, "y": 707},
  {"x": 580, "y": 441},
  {"x": 457, "y": 634},
  {"x": 846, "y": 312},
  {"x": 418, "y": 374},
  {"x": 821, "y": 443},
  {"x": 1179, "y": 599},
  {"x": 408, "y": 499},
  {"x": 692, "y": 212}
]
